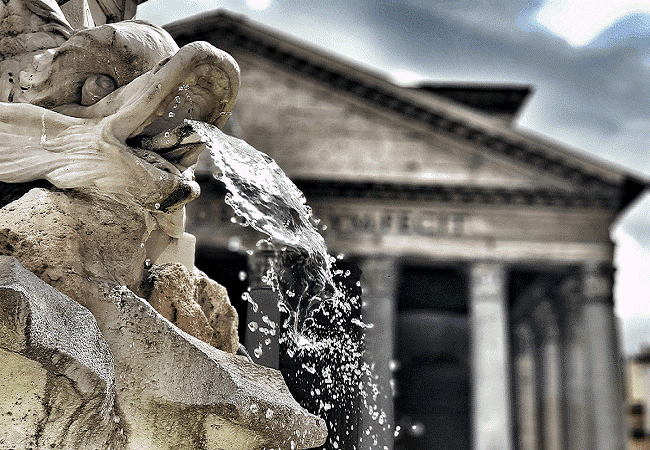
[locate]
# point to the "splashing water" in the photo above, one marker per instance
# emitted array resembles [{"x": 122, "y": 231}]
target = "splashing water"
[
  {"x": 321, "y": 325},
  {"x": 260, "y": 192}
]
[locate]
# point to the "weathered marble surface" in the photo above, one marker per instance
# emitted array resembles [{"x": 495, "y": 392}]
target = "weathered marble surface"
[
  {"x": 57, "y": 376},
  {"x": 95, "y": 117},
  {"x": 194, "y": 303},
  {"x": 139, "y": 384}
]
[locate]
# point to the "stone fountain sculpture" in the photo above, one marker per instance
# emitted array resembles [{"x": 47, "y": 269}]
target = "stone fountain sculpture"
[{"x": 109, "y": 337}]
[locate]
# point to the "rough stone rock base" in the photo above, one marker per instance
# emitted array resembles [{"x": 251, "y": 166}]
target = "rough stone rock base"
[
  {"x": 194, "y": 303},
  {"x": 142, "y": 384},
  {"x": 57, "y": 381}
]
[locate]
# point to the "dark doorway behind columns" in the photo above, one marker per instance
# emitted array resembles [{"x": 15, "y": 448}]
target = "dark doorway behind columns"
[{"x": 432, "y": 403}]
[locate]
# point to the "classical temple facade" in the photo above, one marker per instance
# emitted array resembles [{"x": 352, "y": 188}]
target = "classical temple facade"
[{"x": 485, "y": 252}]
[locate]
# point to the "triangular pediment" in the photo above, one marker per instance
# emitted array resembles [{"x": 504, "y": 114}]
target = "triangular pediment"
[
  {"x": 314, "y": 133},
  {"x": 324, "y": 119}
]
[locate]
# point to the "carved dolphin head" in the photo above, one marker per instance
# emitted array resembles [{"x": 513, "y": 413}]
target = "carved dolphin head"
[{"x": 116, "y": 127}]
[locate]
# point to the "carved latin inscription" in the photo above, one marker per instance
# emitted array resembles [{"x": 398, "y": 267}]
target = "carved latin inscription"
[{"x": 396, "y": 221}]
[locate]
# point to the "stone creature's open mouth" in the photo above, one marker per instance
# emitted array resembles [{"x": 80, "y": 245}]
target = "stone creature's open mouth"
[
  {"x": 163, "y": 139},
  {"x": 199, "y": 83},
  {"x": 172, "y": 150}
]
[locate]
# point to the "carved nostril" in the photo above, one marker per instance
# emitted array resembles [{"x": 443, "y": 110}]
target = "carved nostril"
[{"x": 95, "y": 88}]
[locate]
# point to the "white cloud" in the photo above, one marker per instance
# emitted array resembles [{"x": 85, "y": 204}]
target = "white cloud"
[
  {"x": 407, "y": 77},
  {"x": 580, "y": 21},
  {"x": 258, "y": 5},
  {"x": 632, "y": 291}
]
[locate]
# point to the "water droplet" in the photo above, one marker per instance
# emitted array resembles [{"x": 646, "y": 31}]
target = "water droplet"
[
  {"x": 43, "y": 133},
  {"x": 242, "y": 275},
  {"x": 234, "y": 244},
  {"x": 253, "y": 326},
  {"x": 254, "y": 408},
  {"x": 171, "y": 114},
  {"x": 417, "y": 429},
  {"x": 157, "y": 206},
  {"x": 257, "y": 352}
]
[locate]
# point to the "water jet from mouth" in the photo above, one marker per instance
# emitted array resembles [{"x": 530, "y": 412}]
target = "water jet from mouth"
[{"x": 269, "y": 202}]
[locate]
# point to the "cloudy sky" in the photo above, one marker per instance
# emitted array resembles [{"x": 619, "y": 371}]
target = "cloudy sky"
[{"x": 589, "y": 61}]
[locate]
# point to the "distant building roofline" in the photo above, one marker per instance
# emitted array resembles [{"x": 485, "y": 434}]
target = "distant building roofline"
[{"x": 500, "y": 100}]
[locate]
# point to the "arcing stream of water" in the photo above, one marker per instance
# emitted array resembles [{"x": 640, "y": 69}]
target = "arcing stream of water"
[
  {"x": 260, "y": 192},
  {"x": 323, "y": 334}
]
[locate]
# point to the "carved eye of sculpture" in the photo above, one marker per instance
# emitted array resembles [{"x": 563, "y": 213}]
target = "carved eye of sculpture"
[{"x": 95, "y": 88}]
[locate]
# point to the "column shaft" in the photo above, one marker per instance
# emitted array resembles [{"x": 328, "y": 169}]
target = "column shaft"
[
  {"x": 579, "y": 436},
  {"x": 604, "y": 364},
  {"x": 489, "y": 358},
  {"x": 525, "y": 379},
  {"x": 263, "y": 316},
  {"x": 378, "y": 308}
]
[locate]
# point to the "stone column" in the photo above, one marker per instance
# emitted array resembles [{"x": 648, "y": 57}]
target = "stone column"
[
  {"x": 378, "y": 280},
  {"x": 492, "y": 428},
  {"x": 606, "y": 392},
  {"x": 552, "y": 379},
  {"x": 525, "y": 383},
  {"x": 263, "y": 315},
  {"x": 579, "y": 436}
]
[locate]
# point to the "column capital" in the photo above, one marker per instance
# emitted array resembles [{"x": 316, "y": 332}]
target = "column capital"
[
  {"x": 378, "y": 275},
  {"x": 487, "y": 279},
  {"x": 260, "y": 265},
  {"x": 598, "y": 282}
]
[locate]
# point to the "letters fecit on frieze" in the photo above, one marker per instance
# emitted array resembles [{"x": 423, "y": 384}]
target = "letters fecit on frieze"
[{"x": 397, "y": 221}]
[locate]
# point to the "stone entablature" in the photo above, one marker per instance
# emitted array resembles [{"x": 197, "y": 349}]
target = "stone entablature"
[{"x": 445, "y": 230}]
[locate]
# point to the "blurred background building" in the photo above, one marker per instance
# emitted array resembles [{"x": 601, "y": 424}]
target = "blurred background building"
[
  {"x": 485, "y": 253},
  {"x": 638, "y": 401}
]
